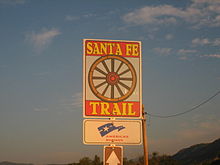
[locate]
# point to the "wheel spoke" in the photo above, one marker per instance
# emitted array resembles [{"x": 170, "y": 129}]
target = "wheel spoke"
[
  {"x": 126, "y": 79},
  {"x": 119, "y": 67},
  {"x": 112, "y": 64},
  {"x": 106, "y": 88},
  {"x": 112, "y": 91},
  {"x": 124, "y": 72},
  {"x": 101, "y": 84},
  {"x": 100, "y": 71},
  {"x": 119, "y": 90},
  {"x": 124, "y": 85},
  {"x": 106, "y": 67},
  {"x": 98, "y": 78}
]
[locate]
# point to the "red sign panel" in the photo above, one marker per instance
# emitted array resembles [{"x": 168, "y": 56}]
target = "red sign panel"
[
  {"x": 103, "y": 48},
  {"x": 112, "y": 78},
  {"x": 125, "y": 109}
]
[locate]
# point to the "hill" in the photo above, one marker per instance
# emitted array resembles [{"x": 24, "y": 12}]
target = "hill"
[
  {"x": 12, "y": 163},
  {"x": 198, "y": 153}
]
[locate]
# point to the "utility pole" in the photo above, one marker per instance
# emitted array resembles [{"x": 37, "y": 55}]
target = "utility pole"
[{"x": 144, "y": 131}]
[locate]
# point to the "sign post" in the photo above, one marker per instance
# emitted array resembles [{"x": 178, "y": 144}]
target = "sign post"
[{"x": 144, "y": 130}]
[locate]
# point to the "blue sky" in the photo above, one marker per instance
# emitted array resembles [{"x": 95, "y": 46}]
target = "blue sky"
[{"x": 41, "y": 72}]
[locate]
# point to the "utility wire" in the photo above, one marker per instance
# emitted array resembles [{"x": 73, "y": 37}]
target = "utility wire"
[{"x": 187, "y": 111}]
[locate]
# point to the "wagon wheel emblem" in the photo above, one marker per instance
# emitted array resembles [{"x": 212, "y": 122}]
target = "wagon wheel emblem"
[{"x": 112, "y": 78}]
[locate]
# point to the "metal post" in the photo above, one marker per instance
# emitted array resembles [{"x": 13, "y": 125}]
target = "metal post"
[{"x": 144, "y": 130}]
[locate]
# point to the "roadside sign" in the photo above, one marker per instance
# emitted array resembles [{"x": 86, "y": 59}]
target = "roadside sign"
[
  {"x": 124, "y": 132},
  {"x": 112, "y": 79},
  {"x": 113, "y": 155}
]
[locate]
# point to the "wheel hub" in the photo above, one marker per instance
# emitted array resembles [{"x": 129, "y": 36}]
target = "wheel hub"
[{"x": 112, "y": 78}]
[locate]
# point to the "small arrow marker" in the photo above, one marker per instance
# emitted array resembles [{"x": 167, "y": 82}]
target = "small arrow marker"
[{"x": 113, "y": 159}]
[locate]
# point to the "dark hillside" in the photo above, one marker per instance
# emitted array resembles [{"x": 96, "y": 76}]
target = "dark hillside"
[
  {"x": 12, "y": 163},
  {"x": 198, "y": 153}
]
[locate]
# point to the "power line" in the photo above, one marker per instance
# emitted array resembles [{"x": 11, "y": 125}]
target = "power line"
[{"x": 187, "y": 111}]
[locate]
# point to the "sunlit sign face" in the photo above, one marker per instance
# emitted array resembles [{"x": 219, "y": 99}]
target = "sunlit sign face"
[
  {"x": 112, "y": 132},
  {"x": 112, "y": 78}
]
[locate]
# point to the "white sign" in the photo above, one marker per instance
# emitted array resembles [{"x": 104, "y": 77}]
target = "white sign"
[{"x": 125, "y": 132}]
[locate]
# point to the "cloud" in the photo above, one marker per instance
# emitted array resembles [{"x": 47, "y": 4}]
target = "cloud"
[
  {"x": 202, "y": 127},
  {"x": 201, "y": 42},
  {"x": 186, "y": 51},
  {"x": 40, "y": 109},
  {"x": 216, "y": 42},
  {"x": 183, "y": 58},
  {"x": 88, "y": 15},
  {"x": 211, "y": 56},
  {"x": 77, "y": 99},
  {"x": 163, "y": 51},
  {"x": 74, "y": 18},
  {"x": 147, "y": 15},
  {"x": 71, "y": 18},
  {"x": 202, "y": 130},
  {"x": 199, "y": 13},
  {"x": 41, "y": 40},
  {"x": 169, "y": 37},
  {"x": 205, "y": 41},
  {"x": 71, "y": 103}
]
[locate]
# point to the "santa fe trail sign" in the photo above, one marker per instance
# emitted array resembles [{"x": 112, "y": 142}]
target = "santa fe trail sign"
[{"x": 112, "y": 79}]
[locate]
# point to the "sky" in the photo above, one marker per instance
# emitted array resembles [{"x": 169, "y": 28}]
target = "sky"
[{"x": 41, "y": 73}]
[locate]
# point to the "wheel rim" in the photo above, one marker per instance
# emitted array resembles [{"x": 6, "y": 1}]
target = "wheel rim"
[{"x": 112, "y": 83}]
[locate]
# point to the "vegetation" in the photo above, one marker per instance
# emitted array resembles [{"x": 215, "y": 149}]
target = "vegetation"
[
  {"x": 154, "y": 159},
  {"x": 88, "y": 161},
  {"x": 199, "y": 154}
]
